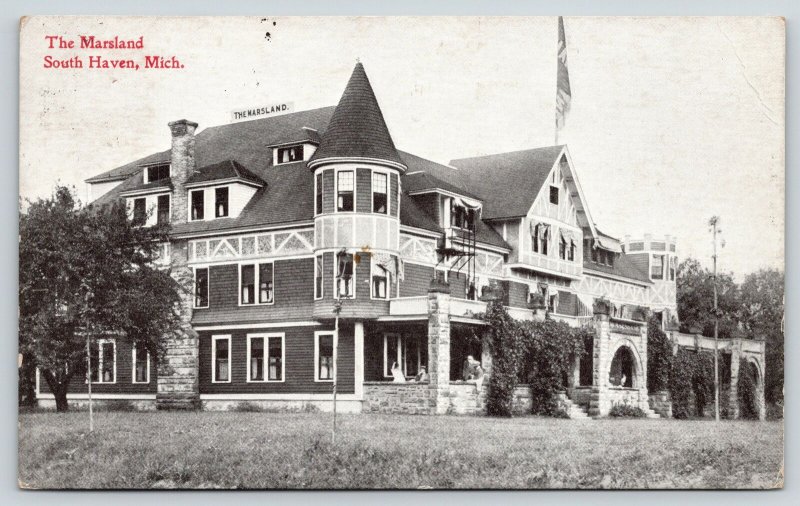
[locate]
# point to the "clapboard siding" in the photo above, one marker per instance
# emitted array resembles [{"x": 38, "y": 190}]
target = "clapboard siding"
[
  {"x": 458, "y": 285},
  {"x": 394, "y": 190},
  {"x": 417, "y": 280},
  {"x": 362, "y": 306},
  {"x": 364, "y": 190},
  {"x": 294, "y": 295},
  {"x": 124, "y": 383},
  {"x": 298, "y": 355}
]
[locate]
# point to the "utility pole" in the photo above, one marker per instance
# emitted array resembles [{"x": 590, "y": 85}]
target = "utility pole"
[{"x": 714, "y": 224}]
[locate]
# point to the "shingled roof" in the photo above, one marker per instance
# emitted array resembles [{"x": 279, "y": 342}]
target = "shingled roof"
[
  {"x": 522, "y": 172},
  {"x": 357, "y": 128},
  {"x": 228, "y": 169},
  {"x": 422, "y": 176}
]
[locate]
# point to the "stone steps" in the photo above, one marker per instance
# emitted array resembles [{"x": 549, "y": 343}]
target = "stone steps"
[{"x": 574, "y": 411}]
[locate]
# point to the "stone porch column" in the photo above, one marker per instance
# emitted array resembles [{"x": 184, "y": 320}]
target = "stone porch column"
[
  {"x": 600, "y": 405},
  {"x": 439, "y": 345},
  {"x": 358, "y": 338},
  {"x": 733, "y": 389}
]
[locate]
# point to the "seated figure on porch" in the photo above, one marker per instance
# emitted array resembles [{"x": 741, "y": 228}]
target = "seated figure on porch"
[
  {"x": 472, "y": 369},
  {"x": 397, "y": 374},
  {"x": 422, "y": 375}
]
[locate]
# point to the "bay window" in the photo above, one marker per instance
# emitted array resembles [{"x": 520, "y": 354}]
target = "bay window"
[{"x": 344, "y": 190}]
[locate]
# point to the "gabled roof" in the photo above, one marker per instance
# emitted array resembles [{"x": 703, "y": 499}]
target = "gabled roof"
[
  {"x": 228, "y": 169},
  {"x": 522, "y": 172},
  {"x": 422, "y": 175},
  {"x": 125, "y": 171},
  {"x": 357, "y": 128}
]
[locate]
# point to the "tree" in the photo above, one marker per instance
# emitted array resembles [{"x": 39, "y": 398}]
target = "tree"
[
  {"x": 86, "y": 273},
  {"x": 695, "y": 297},
  {"x": 762, "y": 316}
]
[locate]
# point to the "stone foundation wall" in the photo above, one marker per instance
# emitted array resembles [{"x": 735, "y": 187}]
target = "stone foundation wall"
[
  {"x": 522, "y": 400},
  {"x": 280, "y": 406},
  {"x": 661, "y": 403},
  {"x": 630, "y": 396},
  {"x": 402, "y": 398},
  {"x": 463, "y": 398}
]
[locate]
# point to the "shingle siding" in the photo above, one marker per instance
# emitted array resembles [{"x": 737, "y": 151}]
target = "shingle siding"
[
  {"x": 363, "y": 190},
  {"x": 394, "y": 191},
  {"x": 517, "y": 294},
  {"x": 328, "y": 191},
  {"x": 416, "y": 281}
]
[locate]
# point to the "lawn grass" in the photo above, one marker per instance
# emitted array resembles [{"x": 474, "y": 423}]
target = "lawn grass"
[{"x": 294, "y": 450}]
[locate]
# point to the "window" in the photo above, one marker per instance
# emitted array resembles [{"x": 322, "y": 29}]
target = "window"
[
  {"x": 157, "y": 173},
  {"x": 141, "y": 365},
  {"x": 221, "y": 202},
  {"x": 562, "y": 249},
  {"x": 595, "y": 255},
  {"x": 318, "y": 276},
  {"x": 198, "y": 205},
  {"x": 380, "y": 279},
  {"x": 672, "y": 268},
  {"x": 379, "y": 199},
  {"x": 323, "y": 356},
  {"x": 345, "y": 281},
  {"x": 256, "y": 275},
  {"x": 104, "y": 361},
  {"x": 403, "y": 351},
  {"x": 344, "y": 190},
  {"x": 290, "y": 154},
  {"x": 657, "y": 267},
  {"x": 163, "y": 209},
  {"x": 554, "y": 195},
  {"x": 462, "y": 217},
  {"x": 139, "y": 211},
  {"x": 265, "y": 356},
  {"x": 221, "y": 359},
  {"x": 318, "y": 201},
  {"x": 201, "y": 287},
  {"x": 571, "y": 251}
]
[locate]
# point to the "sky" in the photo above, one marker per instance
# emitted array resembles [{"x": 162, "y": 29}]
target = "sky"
[{"x": 673, "y": 120}]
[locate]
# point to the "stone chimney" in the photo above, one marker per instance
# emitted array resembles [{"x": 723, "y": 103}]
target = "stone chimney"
[{"x": 183, "y": 165}]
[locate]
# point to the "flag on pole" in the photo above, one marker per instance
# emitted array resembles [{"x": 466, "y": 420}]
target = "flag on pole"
[{"x": 563, "y": 92}]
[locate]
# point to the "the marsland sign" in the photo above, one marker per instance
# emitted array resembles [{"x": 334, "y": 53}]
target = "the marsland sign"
[{"x": 260, "y": 112}]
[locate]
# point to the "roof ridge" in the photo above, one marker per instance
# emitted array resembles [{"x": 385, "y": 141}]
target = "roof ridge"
[{"x": 518, "y": 151}]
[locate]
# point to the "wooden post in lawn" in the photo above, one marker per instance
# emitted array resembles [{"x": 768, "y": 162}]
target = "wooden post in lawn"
[
  {"x": 89, "y": 378},
  {"x": 336, "y": 309},
  {"x": 714, "y": 224}
]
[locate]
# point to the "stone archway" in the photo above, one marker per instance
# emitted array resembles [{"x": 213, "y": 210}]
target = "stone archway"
[
  {"x": 755, "y": 400},
  {"x": 624, "y": 368}
]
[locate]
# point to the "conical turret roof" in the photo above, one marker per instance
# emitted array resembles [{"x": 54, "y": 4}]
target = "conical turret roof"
[{"x": 357, "y": 128}]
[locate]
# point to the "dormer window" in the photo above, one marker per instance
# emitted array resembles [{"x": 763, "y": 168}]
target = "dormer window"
[
  {"x": 461, "y": 217},
  {"x": 221, "y": 202},
  {"x": 290, "y": 154},
  {"x": 156, "y": 173},
  {"x": 379, "y": 193},
  {"x": 198, "y": 205}
]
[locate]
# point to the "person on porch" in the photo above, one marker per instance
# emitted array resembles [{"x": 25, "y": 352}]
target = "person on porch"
[
  {"x": 397, "y": 374},
  {"x": 422, "y": 375}
]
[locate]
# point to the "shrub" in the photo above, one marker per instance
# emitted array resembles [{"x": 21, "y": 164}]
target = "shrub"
[
  {"x": 625, "y": 410},
  {"x": 692, "y": 373}
]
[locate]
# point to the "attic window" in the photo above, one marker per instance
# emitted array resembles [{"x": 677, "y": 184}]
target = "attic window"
[
  {"x": 221, "y": 202},
  {"x": 554, "y": 194},
  {"x": 290, "y": 154},
  {"x": 156, "y": 173}
]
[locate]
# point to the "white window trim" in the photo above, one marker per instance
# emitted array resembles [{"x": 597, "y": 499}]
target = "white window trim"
[
  {"x": 372, "y": 191},
  {"x": 256, "y": 280},
  {"x": 336, "y": 190},
  {"x": 100, "y": 343},
  {"x": 169, "y": 214},
  {"x": 266, "y": 338},
  {"x": 277, "y": 156},
  {"x": 133, "y": 369},
  {"x": 189, "y": 207},
  {"x": 388, "y": 284},
  {"x": 335, "y": 278},
  {"x": 194, "y": 292},
  {"x": 399, "y": 360},
  {"x": 214, "y": 339},
  {"x": 322, "y": 286},
  {"x": 317, "y": 335},
  {"x": 146, "y": 175}
]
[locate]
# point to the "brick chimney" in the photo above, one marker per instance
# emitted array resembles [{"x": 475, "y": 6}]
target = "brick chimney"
[{"x": 183, "y": 166}]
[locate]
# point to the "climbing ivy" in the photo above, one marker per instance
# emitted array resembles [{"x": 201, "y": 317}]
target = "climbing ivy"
[
  {"x": 659, "y": 357},
  {"x": 746, "y": 390},
  {"x": 539, "y": 353},
  {"x": 691, "y": 372}
]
